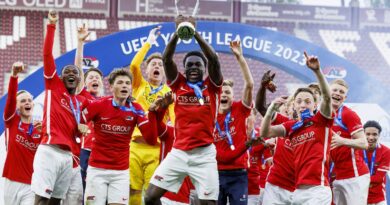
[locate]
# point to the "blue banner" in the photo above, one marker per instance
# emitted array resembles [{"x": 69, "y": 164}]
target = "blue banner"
[{"x": 275, "y": 48}]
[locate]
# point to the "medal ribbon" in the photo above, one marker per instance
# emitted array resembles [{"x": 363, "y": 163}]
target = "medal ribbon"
[{"x": 227, "y": 133}]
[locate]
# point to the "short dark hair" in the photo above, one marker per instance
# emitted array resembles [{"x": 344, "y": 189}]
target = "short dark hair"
[
  {"x": 308, "y": 90},
  {"x": 118, "y": 72},
  {"x": 315, "y": 86},
  {"x": 373, "y": 123},
  {"x": 70, "y": 65},
  {"x": 153, "y": 56},
  {"x": 194, "y": 53},
  {"x": 93, "y": 69}
]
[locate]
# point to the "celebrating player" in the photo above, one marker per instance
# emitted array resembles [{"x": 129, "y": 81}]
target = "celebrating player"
[
  {"x": 231, "y": 137},
  {"x": 309, "y": 138},
  {"x": 352, "y": 175},
  {"x": 144, "y": 158},
  {"x": 377, "y": 158},
  {"x": 22, "y": 139},
  {"x": 62, "y": 108},
  {"x": 280, "y": 183},
  {"x": 91, "y": 87},
  {"x": 114, "y": 121},
  {"x": 196, "y": 104}
]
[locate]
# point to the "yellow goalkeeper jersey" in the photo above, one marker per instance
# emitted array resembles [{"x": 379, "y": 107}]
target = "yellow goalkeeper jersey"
[{"x": 142, "y": 88}]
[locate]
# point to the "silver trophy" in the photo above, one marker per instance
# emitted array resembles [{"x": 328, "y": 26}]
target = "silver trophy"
[{"x": 185, "y": 30}]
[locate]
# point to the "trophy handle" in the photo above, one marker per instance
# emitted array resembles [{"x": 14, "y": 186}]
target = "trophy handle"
[
  {"x": 177, "y": 9},
  {"x": 194, "y": 12}
]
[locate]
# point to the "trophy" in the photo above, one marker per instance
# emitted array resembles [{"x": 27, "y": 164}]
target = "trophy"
[{"x": 185, "y": 30}]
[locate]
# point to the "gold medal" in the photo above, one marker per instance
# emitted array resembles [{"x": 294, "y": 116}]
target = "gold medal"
[
  {"x": 201, "y": 102},
  {"x": 263, "y": 166},
  {"x": 232, "y": 147}
]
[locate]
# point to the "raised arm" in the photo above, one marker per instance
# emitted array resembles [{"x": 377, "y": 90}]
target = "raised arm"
[
  {"x": 135, "y": 66},
  {"x": 266, "y": 129},
  {"x": 266, "y": 82},
  {"x": 170, "y": 66},
  {"x": 10, "y": 106},
  {"x": 82, "y": 35},
  {"x": 213, "y": 65},
  {"x": 314, "y": 64},
  {"x": 235, "y": 47},
  {"x": 49, "y": 67}
]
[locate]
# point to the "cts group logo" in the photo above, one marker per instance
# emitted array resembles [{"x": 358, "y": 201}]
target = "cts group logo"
[{"x": 335, "y": 72}]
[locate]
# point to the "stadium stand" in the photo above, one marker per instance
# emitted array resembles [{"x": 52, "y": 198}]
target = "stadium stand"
[{"x": 367, "y": 47}]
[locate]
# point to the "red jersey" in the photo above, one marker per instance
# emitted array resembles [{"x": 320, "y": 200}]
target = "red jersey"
[
  {"x": 21, "y": 145},
  {"x": 194, "y": 123},
  {"x": 226, "y": 157},
  {"x": 59, "y": 126},
  {"x": 282, "y": 171},
  {"x": 377, "y": 190},
  {"x": 183, "y": 195},
  {"x": 86, "y": 141},
  {"x": 113, "y": 129},
  {"x": 264, "y": 166},
  {"x": 311, "y": 144},
  {"x": 254, "y": 170},
  {"x": 348, "y": 162}
]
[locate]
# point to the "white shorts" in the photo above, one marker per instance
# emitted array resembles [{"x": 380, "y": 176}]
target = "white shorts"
[
  {"x": 74, "y": 195},
  {"x": 107, "y": 185},
  {"x": 199, "y": 164},
  {"x": 353, "y": 191},
  {"x": 254, "y": 200},
  {"x": 18, "y": 193},
  {"x": 276, "y": 195},
  {"x": 166, "y": 201},
  {"x": 315, "y": 195},
  {"x": 379, "y": 203},
  {"x": 52, "y": 172}
]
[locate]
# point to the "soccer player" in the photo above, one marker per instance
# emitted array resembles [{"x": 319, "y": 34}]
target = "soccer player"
[
  {"x": 196, "y": 105},
  {"x": 315, "y": 88},
  {"x": 230, "y": 136},
  {"x": 377, "y": 158},
  {"x": 310, "y": 140},
  {"x": 62, "y": 109},
  {"x": 23, "y": 135},
  {"x": 93, "y": 81},
  {"x": 114, "y": 121},
  {"x": 352, "y": 175},
  {"x": 167, "y": 139},
  {"x": 280, "y": 183},
  {"x": 144, "y": 158},
  {"x": 91, "y": 88}
]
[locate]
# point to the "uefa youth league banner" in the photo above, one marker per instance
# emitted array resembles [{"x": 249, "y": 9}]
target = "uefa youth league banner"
[{"x": 275, "y": 48}]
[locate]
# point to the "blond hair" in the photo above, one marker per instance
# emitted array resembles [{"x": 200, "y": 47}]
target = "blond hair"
[
  {"x": 340, "y": 82},
  {"x": 228, "y": 82}
]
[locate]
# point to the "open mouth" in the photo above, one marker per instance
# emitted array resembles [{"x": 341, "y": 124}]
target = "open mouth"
[
  {"x": 71, "y": 79},
  {"x": 95, "y": 85},
  {"x": 27, "y": 108},
  {"x": 336, "y": 98},
  {"x": 124, "y": 91},
  {"x": 156, "y": 73},
  {"x": 224, "y": 101},
  {"x": 193, "y": 74}
]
